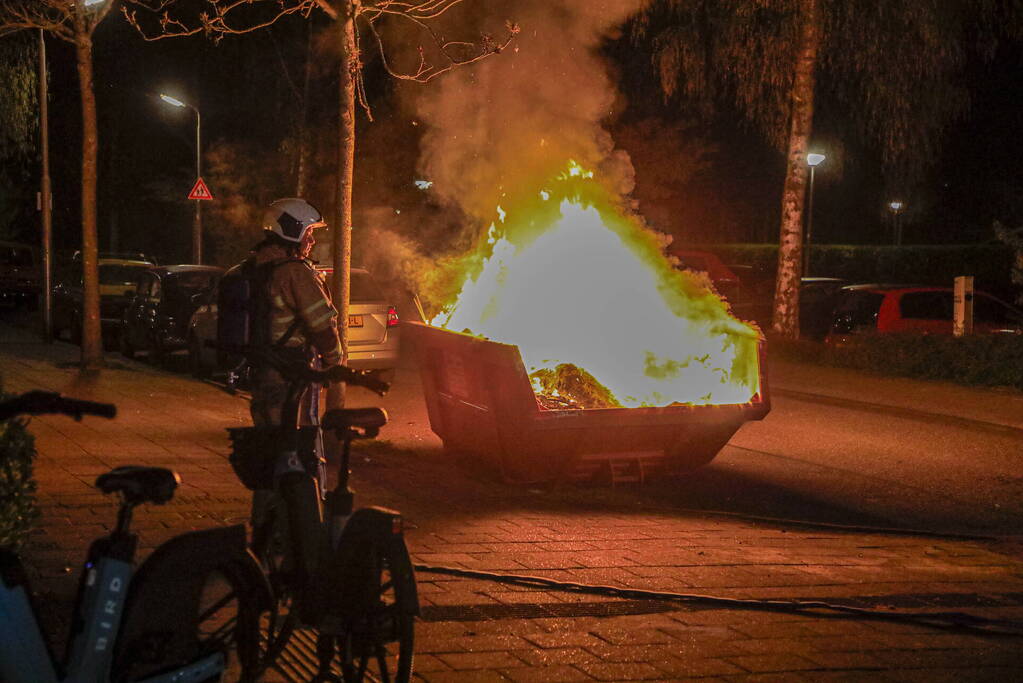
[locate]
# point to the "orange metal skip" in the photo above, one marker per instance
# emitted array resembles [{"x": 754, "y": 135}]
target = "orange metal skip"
[{"x": 482, "y": 406}]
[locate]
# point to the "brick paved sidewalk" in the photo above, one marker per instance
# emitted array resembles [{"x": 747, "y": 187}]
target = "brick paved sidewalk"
[{"x": 475, "y": 630}]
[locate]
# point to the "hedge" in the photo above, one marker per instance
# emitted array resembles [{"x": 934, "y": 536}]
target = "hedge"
[
  {"x": 989, "y": 264},
  {"x": 18, "y": 510},
  {"x": 980, "y": 359}
]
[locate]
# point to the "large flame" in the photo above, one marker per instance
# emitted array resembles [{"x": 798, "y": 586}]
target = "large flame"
[{"x": 570, "y": 279}]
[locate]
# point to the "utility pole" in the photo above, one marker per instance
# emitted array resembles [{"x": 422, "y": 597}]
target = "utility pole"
[
  {"x": 197, "y": 225},
  {"x": 45, "y": 202}
]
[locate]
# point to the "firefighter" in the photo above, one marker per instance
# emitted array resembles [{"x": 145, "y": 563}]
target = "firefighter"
[
  {"x": 302, "y": 328},
  {"x": 301, "y": 312}
]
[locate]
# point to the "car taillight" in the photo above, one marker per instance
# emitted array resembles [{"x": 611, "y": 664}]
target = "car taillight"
[{"x": 392, "y": 316}]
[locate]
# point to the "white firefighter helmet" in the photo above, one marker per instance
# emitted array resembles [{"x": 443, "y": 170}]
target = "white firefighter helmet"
[{"x": 291, "y": 218}]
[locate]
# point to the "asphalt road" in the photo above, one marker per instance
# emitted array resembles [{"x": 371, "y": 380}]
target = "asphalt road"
[{"x": 865, "y": 466}]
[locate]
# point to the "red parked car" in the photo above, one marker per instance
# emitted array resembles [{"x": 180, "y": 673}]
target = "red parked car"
[{"x": 884, "y": 309}]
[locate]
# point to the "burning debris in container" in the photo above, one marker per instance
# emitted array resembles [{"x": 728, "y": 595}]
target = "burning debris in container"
[
  {"x": 568, "y": 386},
  {"x": 600, "y": 315}
]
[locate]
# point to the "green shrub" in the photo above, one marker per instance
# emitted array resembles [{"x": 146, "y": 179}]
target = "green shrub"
[
  {"x": 981, "y": 359},
  {"x": 990, "y": 264},
  {"x": 18, "y": 510}
]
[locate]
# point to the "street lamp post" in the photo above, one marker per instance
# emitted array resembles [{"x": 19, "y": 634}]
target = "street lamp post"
[
  {"x": 896, "y": 206},
  {"x": 813, "y": 159},
  {"x": 197, "y": 224}
]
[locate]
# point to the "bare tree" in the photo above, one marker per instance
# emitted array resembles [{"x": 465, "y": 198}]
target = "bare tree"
[
  {"x": 75, "y": 22},
  {"x": 360, "y": 25}
]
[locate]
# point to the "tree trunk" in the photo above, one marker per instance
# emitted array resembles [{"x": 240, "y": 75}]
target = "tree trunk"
[
  {"x": 790, "y": 252},
  {"x": 92, "y": 335},
  {"x": 342, "y": 246},
  {"x": 302, "y": 172}
]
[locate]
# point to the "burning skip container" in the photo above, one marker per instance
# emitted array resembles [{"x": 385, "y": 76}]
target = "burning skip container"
[{"x": 481, "y": 404}]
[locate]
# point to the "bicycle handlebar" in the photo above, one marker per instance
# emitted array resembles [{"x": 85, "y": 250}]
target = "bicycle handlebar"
[
  {"x": 367, "y": 379},
  {"x": 300, "y": 371},
  {"x": 52, "y": 403}
]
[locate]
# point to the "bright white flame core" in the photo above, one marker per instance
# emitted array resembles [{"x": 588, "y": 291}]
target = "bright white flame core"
[{"x": 579, "y": 294}]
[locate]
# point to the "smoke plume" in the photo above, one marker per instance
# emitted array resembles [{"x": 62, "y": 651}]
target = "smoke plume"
[{"x": 513, "y": 120}]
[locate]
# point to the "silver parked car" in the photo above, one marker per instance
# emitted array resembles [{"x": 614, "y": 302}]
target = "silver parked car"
[{"x": 373, "y": 338}]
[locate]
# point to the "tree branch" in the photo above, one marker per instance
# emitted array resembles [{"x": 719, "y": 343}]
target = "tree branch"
[
  {"x": 327, "y": 8},
  {"x": 55, "y": 17},
  {"x": 214, "y": 23},
  {"x": 426, "y": 72},
  {"x": 46, "y": 15},
  {"x": 253, "y": 15}
]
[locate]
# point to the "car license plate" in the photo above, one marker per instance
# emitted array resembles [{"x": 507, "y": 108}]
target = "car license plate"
[{"x": 355, "y": 321}]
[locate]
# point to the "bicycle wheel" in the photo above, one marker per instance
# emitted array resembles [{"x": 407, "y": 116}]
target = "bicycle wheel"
[
  {"x": 276, "y": 623},
  {"x": 165, "y": 630},
  {"x": 377, "y": 637},
  {"x": 227, "y": 621}
]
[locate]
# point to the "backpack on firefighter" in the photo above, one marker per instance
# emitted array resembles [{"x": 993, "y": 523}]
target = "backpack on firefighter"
[{"x": 244, "y": 313}]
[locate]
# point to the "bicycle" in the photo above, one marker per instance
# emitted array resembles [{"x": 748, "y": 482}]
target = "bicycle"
[
  {"x": 347, "y": 573},
  {"x": 177, "y": 618}
]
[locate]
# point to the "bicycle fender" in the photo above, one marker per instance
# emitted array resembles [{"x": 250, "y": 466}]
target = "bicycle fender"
[{"x": 371, "y": 531}]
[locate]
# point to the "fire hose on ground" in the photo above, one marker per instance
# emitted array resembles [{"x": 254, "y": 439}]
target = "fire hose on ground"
[{"x": 941, "y": 620}]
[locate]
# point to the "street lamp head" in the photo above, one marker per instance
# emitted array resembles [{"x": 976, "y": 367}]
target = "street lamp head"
[
  {"x": 172, "y": 100},
  {"x": 90, "y": 3},
  {"x": 814, "y": 159},
  {"x": 896, "y": 206}
]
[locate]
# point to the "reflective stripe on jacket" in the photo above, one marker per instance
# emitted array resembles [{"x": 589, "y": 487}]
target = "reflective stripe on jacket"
[{"x": 297, "y": 290}]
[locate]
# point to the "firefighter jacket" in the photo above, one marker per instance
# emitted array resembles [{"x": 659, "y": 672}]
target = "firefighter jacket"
[{"x": 298, "y": 292}]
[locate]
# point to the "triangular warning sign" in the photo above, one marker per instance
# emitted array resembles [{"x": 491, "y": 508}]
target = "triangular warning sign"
[{"x": 200, "y": 191}]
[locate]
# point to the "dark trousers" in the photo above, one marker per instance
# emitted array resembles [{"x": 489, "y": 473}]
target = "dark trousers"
[{"x": 269, "y": 393}]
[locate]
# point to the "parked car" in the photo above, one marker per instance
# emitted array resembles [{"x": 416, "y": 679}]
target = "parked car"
[
  {"x": 373, "y": 325},
  {"x": 20, "y": 276},
  {"x": 157, "y": 316},
  {"x": 877, "y": 308},
  {"x": 752, "y": 278},
  {"x": 118, "y": 276},
  {"x": 725, "y": 281},
  {"x": 818, "y": 297},
  {"x": 373, "y": 339}
]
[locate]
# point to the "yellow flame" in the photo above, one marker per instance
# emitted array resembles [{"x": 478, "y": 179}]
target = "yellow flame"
[{"x": 576, "y": 281}]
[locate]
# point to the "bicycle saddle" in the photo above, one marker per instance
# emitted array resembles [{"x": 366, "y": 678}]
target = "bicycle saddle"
[
  {"x": 369, "y": 420},
  {"x": 140, "y": 484}
]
